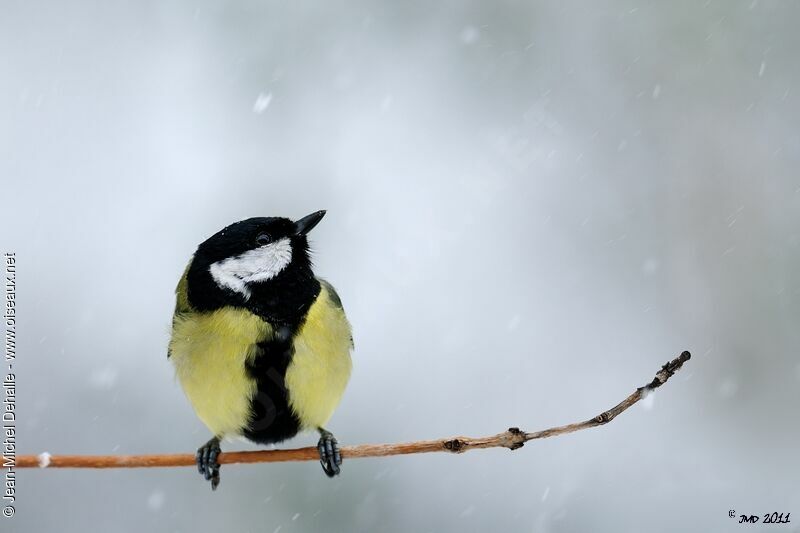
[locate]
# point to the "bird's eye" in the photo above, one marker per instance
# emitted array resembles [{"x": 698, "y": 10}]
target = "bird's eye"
[{"x": 262, "y": 239}]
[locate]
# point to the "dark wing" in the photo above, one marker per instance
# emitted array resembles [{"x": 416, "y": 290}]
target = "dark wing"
[{"x": 181, "y": 298}]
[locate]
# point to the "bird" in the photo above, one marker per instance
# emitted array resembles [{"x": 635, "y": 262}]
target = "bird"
[{"x": 261, "y": 346}]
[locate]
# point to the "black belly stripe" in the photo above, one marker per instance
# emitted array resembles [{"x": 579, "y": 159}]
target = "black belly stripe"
[{"x": 272, "y": 420}]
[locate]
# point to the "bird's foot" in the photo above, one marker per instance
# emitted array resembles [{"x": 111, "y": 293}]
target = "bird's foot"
[
  {"x": 330, "y": 456},
  {"x": 207, "y": 463}
]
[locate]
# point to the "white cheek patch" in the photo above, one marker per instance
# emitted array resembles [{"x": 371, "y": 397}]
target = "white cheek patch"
[{"x": 260, "y": 264}]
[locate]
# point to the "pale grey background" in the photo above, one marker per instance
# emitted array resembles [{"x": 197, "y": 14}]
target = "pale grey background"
[{"x": 531, "y": 207}]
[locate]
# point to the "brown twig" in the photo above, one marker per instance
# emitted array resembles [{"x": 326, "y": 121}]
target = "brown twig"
[{"x": 512, "y": 439}]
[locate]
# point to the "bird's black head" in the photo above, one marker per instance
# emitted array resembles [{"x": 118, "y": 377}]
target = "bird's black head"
[{"x": 260, "y": 263}]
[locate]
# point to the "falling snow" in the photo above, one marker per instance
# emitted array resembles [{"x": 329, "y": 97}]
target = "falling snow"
[
  {"x": 728, "y": 388},
  {"x": 262, "y": 102},
  {"x": 386, "y": 103},
  {"x": 650, "y": 266},
  {"x": 470, "y": 34},
  {"x": 156, "y": 500},
  {"x": 103, "y": 378}
]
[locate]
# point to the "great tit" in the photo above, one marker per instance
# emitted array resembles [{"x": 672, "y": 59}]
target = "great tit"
[{"x": 260, "y": 345}]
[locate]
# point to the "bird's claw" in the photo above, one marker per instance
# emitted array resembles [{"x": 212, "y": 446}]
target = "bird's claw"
[
  {"x": 207, "y": 461},
  {"x": 330, "y": 456}
]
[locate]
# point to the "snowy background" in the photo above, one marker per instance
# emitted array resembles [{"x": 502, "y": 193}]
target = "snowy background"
[{"x": 531, "y": 207}]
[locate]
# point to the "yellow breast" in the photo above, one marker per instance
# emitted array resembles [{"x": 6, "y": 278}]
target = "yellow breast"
[
  {"x": 209, "y": 351},
  {"x": 321, "y": 364}
]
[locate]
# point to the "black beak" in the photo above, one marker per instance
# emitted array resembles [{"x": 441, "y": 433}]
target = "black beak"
[{"x": 307, "y": 223}]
